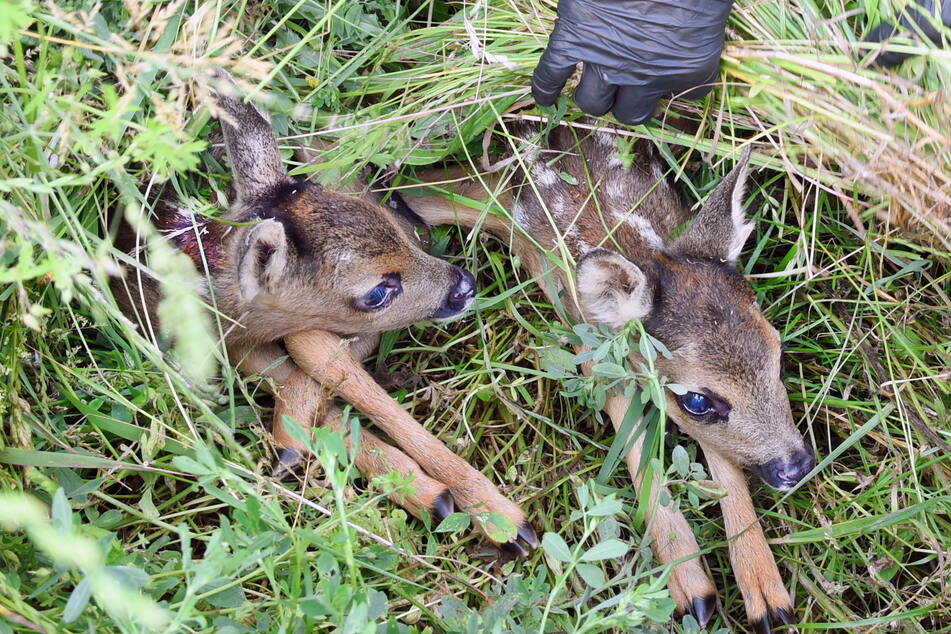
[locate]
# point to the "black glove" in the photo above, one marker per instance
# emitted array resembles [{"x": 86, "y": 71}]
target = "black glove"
[
  {"x": 916, "y": 18},
  {"x": 634, "y": 52}
]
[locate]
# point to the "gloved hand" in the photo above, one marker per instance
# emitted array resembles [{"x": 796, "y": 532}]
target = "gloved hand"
[
  {"x": 634, "y": 52},
  {"x": 916, "y": 18}
]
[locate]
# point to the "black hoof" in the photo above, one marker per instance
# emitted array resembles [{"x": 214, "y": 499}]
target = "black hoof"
[
  {"x": 514, "y": 549},
  {"x": 289, "y": 461},
  {"x": 443, "y": 507},
  {"x": 526, "y": 537},
  {"x": 785, "y": 617},
  {"x": 702, "y": 609},
  {"x": 780, "y": 616},
  {"x": 527, "y": 534}
]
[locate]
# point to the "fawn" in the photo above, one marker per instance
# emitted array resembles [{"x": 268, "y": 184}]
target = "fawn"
[
  {"x": 302, "y": 269},
  {"x": 617, "y": 225}
]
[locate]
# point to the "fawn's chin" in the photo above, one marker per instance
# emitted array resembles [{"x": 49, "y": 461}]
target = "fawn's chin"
[{"x": 442, "y": 318}]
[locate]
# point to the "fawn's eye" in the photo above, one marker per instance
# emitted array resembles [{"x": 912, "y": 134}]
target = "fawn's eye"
[
  {"x": 705, "y": 406},
  {"x": 695, "y": 403},
  {"x": 381, "y": 295}
]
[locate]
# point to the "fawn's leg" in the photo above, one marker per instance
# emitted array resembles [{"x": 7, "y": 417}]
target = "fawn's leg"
[
  {"x": 327, "y": 359},
  {"x": 753, "y": 564},
  {"x": 672, "y": 537},
  {"x": 307, "y": 402},
  {"x": 269, "y": 359}
]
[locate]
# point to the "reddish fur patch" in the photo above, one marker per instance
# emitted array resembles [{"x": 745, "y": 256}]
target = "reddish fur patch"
[{"x": 198, "y": 238}]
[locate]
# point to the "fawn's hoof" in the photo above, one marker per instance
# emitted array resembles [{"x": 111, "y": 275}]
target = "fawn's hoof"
[
  {"x": 779, "y": 616},
  {"x": 443, "y": 506},
  {"x": 702, "y": 609},
  {"x": 289, "y": 461},
  {"x": 525, "y": 542}
]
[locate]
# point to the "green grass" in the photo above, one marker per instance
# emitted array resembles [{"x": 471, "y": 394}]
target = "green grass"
[{"x": 153, "y": 462}]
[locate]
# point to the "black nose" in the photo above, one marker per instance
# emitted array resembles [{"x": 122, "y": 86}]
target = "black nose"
[
  {"x": 785, "y": 473},
  {"x": 459, "y": 296}
]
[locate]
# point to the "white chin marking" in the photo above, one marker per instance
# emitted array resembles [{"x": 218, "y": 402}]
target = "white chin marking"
[{"x": 462, "y": 313}]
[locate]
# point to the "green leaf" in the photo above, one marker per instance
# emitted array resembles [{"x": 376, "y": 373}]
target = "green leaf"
[
  {"x": 647, "y": 349},
  {"x": 498, "y": 527},
  {"x": 454, "y": 523},
  {"x": 568, "y": 178},
  {"x": 608, "y": 549},
  {"x": 592, "y": 575},
  {"x": 557, "y": 362},
  {"x": 608, "y": 506},
  {"x": 610, "y": 370},
  {"x": 681, "y": 461},
  {"x": 78, "y": 600},
  {"x": 230, "y": 597},
  {"x": 188, "y": 465},
  {"x": 62, "y": 512},
  {"x": 377, "y": 604},
  {"x": 14, "y": 15},
  {"x": 660, "y": 347},
  {"x": 555, "y": 547}
]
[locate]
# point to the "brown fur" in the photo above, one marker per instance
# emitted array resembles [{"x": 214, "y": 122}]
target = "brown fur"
[
  {"x": 617, "y": 225},
  {"x": 295, "y": 257},
  {"x": 327, "y": 359},
  {"x": 757, "y": 576}
]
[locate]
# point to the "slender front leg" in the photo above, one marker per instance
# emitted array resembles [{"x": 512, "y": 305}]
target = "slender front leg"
[
  {"x": 327, "y": 359},
  {"x": 308, "y": 403},
  {"x": 673, "y": 539},
  {"x": 264, "y": 359},
  {"x": 759, "y": 580}
]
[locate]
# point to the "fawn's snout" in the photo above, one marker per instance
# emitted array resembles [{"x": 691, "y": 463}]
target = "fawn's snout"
[
  {"x": 785, "y": 473},
  {"x": 460, "y": 296}
]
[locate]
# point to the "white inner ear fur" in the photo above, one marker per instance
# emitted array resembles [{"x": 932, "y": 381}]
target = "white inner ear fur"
[
  {"x": 741, "y": 226},
  {"x": 612, "y": 290},
  {"x": 253, "y": 277}
]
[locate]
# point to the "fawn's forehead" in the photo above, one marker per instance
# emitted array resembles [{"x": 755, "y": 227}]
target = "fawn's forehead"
[
  {"x": 327, "y": 226},
  {"x": 710, "y": 312}
]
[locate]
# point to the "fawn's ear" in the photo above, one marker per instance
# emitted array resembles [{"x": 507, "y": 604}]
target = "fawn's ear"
[
  {"x": 612, "y": 290},
  {"x": 720, "y": 229},
  {"x": 256, "y": 164},
  {"x": 264, "y": 258}
]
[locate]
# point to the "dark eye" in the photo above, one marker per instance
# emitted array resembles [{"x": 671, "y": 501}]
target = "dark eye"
[
  {"x": 695, "y": 404},
  {"x": 380, "y": 295}
]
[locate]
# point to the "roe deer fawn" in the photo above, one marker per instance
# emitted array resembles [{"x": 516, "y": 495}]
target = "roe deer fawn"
[
  {"x": 303, "y": 265},
  {"x": 617, "y": 224}
]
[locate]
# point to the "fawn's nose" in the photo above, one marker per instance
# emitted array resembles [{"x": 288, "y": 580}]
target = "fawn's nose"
[
  {"x": 785, "y": 473},
  {"x": 459, "y": 297}
]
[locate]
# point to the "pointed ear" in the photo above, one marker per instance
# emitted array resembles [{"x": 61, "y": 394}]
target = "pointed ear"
[
  {"x": 264, "y": 258},
  {"x": 720, "y": 229},
  {"x": 256, "y": 164},
  {"x": 612, "y": 290}
]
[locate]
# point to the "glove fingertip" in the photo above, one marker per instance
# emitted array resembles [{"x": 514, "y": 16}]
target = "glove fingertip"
[
  {"x": 638, "y": 119},
  {"x": 594, "y": 94},
  {"x": 634, "y": 108},
  {"x": 548, "y": 80},
  {"x": 544, "y": 97}
]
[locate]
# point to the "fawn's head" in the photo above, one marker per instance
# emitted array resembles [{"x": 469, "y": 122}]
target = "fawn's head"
[
  {"x": 691, "y": 297},
  {"x": 308, "y": 257}
]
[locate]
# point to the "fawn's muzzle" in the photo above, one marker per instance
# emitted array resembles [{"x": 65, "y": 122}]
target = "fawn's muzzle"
[
  {"x": 459, "y": 297},
  {"x": 785, "y": 473}
]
